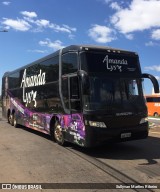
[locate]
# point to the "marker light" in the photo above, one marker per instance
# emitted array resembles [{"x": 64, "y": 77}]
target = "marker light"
[{"x": 97, "y": 124}]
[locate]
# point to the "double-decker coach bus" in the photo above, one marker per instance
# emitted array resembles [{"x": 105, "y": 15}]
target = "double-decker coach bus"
[{"x": 81, "y": 94}]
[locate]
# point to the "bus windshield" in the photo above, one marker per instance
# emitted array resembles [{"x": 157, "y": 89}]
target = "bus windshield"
[{"x": 102, "y": 93}]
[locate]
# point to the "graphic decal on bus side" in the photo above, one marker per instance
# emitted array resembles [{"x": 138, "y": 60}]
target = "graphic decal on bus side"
[
  {"x": 17, "y": 105},
  {"x": 72, "y": 125},
  {"x": 32, "y": 81},
  {"x": 114, "y": 64}
]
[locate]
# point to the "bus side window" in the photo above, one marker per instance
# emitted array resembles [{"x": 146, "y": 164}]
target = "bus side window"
[
  {"x": 153, "y": 99},
  {"x": 149, "y": 99},
  {"x": 69, "y": 63},
  {"x": 74, "y": 93},
  {"x": 65, "y": 92}
]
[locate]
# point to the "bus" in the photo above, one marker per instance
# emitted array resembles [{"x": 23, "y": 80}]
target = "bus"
[
  {"x": 153, "y": 104},
  {"x": 83, "y": 94}
]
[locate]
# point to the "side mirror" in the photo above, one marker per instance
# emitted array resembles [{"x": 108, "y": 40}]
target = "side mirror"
[
  {"x": 154, "y": 81},
  {"x": 83, "y": 75}
]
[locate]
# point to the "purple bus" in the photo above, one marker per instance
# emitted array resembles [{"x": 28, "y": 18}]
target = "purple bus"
[{"x": 81, "y": 94}]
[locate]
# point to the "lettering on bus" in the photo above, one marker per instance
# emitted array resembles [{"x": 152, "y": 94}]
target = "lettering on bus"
[
  {"x": 32, "y": 81},
  {"x": 157, "y": 104},
  {"x": 114, "y": 64}
]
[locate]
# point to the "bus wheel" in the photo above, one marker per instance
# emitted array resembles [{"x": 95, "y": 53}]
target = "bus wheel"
[
  {"x": 8, "y": 116},
  {"x": 58, "y": 135},
  {"x": 14, "y": 121},
  {"x": 10, "y": 119},
  {"x": 156, "y": 114}
]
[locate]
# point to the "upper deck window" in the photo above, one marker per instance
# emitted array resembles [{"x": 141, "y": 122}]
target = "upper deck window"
[{"x": 13, "y": 80}]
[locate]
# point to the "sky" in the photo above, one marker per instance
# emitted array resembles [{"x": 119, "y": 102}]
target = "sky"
[{"x": 37, "y": 28}]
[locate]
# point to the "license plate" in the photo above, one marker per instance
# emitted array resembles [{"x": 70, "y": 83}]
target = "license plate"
[{"x": 125, "y": 135}]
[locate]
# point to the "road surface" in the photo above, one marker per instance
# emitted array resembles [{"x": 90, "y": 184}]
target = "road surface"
[{"x": 30, "y": 157}]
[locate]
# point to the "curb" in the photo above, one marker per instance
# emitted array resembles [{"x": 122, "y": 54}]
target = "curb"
[{"x": 153, "y": 118}]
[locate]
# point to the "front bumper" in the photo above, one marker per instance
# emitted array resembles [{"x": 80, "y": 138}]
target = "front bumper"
[{"x": 96, "y": 136}]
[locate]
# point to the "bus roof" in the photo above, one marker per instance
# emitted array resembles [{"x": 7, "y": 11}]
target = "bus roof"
[{"x": 95, "y": 47}]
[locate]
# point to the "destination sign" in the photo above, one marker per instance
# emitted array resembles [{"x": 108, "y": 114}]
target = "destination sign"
[{"x": 110, "y": 62}]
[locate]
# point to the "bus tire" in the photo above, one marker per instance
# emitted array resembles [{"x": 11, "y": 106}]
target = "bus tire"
[
  {"x": 14, "y": 121},
  {"x": 156, "y": 114},
  {"x": 10, "y": 119},
  {"x": 8, "y": 116},
  {"x": 58, "y": 134}
]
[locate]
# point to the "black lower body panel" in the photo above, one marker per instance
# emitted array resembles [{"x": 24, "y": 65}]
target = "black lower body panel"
[{"x": 97, "y": 136}]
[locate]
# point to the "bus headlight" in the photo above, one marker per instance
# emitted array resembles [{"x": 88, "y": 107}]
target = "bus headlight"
[
  {"x": 144, "y": 120},
  {"x": 97, "y": 124}
]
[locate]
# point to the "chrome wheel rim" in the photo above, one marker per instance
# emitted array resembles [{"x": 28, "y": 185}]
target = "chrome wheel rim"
[
  {"x": 14, "y": 122},
  {"x": 58, "y": 134},
  {"x": 10, "y": 119}
]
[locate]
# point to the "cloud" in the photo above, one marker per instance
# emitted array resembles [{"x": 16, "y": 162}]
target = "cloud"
[
  {"x": 6, "y": 2},
  {"x": 31, "y": 22},
  {"x": 115, "y": 5},
  {"x": 157, "y": 77},
  {"x": 129, "y": 36},
  {"x": 138, "y": 16},
  {"x": 63, "y": 28},
  {"x": 19, "y": 24},
  {"x": 29, "y": 14},
  {"x": 156, "y": 34},
  {"x": 55, "y": 45},
  {"x": 153, "y": 68},
  {"x": 37, "y": 51},
  {"x": 107, "y": 1},
  {"x": 42, "y": 23},
  {"x": 70, "y": 28},
  {"x": 101, "y": 34},
  {"x": 152, "y": 43},
  {"x": 38, "y": 25}
]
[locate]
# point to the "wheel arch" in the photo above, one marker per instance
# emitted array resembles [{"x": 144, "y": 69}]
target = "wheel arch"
[
  {"x": 53, "y": 120},
  {"x": 8, "y": 113},
  {"x": 13, "y": 111},
  {"x": 52, "y": 123},
  {"x": 155, "y": 114}
]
